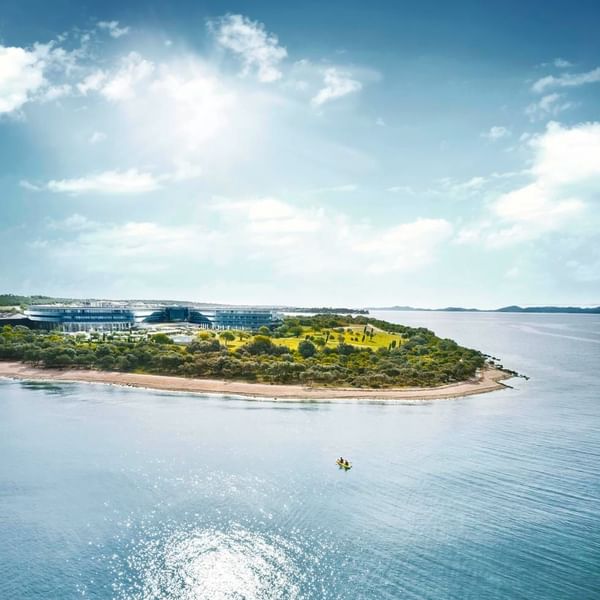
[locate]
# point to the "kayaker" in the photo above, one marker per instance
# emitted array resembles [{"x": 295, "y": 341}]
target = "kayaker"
[
  {"x": 346, "y": 463},
  {"x": 341, "y": 460}
]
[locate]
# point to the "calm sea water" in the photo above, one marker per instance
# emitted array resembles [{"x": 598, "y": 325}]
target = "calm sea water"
[{"x": 128, "y": 494}]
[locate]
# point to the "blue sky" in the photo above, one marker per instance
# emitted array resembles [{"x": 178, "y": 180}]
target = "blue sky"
[{"x": 316, "y": 153}]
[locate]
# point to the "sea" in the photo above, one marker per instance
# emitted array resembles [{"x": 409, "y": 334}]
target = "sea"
[{"x": 127, "y": 494}]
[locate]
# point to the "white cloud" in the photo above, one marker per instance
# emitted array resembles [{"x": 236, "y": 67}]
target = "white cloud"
[
  {"x": 133, "y": 248},
  {"x": 41, "y": 73},
  {"x": 264, "y": 233},
  {"x": 314, "y": 240},
  {"x": 258, "y": 49},
  {"x": 561, "y": 63},
  {"x": 566, "y": 177},
  {"x": 405, "y": 247},
  {"x": 31, "y": 187},
  {"x": 133, "y": 70},
  {"x": 532, "y": 210},
  {"x": 337, "y": 84},
  {"x": 56, "y": 59},
  {"x": 548, "y": 105},
  {"x": 113, "y": 29},
  {"x": 21, "y": 76},
  {"x": 190, "y": 103},
  {"x": 473, "y": 233},
  {"x": 185, "y": 171},
  {"x": 107, "y": 182},
  {"x": 75, "y": 222},
  {"x": 97, "y": 137},
  {"x": 566, "y": 80},
  {"x": 92, "y": 82},
  {"x": 132, "y": 181},
  {"x": 270, "y": 216},
  {"x": 568, "y": 156},
  {"x": 477, "y": 185},
  {"x": 55, "y": 92},
  {"x": 471, "y": 185},
  {"x": 497, "y": 132}
]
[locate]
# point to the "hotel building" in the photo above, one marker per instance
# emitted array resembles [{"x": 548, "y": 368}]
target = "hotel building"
[{"x": 118, "y": 317}]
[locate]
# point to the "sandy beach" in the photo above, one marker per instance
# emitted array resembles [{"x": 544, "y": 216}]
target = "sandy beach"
[{"x": 488, "y": 381}]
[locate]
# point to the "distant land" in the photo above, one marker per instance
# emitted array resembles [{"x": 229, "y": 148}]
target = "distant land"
[
  {"x": 594, "y": 310},
  {"x": 10, "y": 300}
]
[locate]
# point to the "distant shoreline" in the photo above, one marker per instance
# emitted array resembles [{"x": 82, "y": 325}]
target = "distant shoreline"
[
  {"x": 519, "y": 310},
  {"x": 489, "y": 380}
]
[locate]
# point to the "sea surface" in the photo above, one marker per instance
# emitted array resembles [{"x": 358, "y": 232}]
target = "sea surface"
[{"x": 117, "y": 493}]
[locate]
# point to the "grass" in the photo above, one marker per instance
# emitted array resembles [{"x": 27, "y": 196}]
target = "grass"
[{"x": 352, "y": 335}]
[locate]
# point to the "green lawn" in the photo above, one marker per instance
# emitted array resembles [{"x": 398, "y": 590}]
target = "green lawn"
[{"x": 352, "y": 335}]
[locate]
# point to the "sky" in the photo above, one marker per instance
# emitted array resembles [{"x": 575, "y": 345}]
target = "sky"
[{"x": 340, "y": 153}]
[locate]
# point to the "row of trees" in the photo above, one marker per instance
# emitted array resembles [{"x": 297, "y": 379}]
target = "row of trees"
[{"x": 422, "y": 359}]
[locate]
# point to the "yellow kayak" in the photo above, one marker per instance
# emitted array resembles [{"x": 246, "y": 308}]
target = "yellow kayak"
[{"x": 343, "y": 465}]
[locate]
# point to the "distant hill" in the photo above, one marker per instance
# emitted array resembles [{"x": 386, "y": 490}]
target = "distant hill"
[
  {"x": 14, "y": 300},
  {"x": 325, "y": 310},
  {"x": 550, "y": 309},
  {"x": 506, "y": 309}
]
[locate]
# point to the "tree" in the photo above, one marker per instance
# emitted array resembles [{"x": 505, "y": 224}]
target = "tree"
[
  {"x": 295, "y": 331},
  {"x": 105, "y": 350},
  {"x": 260, "y": 345},
  {"x": 162, "y": 338},
  {"x": 345, "y": 349},
  {"x": 307, "y": 349},
  {"x": 124, "y": 364},
  {"x": 264, "y": 330},
  {"x": 106, "y": 363},
  {"x": 228, "y": 336},
  {"x": 170, "y": 361}
]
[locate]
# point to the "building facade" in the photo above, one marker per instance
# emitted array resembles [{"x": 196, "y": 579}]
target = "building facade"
[
  {"x": 81, "y": 318},
  {"x": 111, "y": 317}
]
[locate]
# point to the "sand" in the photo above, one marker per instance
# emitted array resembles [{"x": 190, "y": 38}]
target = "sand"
[{"x": 488, "y": 380}]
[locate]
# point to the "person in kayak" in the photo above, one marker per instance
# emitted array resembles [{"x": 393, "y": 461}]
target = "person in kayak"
[
  {"x": 341, "y": 460},
  {"x": 346, "y": 463}
]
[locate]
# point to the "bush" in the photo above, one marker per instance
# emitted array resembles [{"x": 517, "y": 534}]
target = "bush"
[
  {"x": 205, "y": 346},
  {"x": 306, "y": 349},
  {"x": 263, "y": 345},
  {"x": 162, "y": 338}
]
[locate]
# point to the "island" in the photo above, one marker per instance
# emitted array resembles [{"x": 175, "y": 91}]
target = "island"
[{"x": 304, "y": 357}]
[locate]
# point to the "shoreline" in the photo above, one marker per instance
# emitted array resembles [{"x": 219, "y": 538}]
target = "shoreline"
[{"x": 489, "y": 380}]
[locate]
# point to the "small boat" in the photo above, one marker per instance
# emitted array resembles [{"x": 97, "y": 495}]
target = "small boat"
[{"x": 343, "y": 465}]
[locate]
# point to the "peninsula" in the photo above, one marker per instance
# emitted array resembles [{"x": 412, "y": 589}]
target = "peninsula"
[{"x": 320, "y": 356}]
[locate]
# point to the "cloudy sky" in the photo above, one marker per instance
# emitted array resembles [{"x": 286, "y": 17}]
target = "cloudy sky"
[{"x": 341, "y": 153}]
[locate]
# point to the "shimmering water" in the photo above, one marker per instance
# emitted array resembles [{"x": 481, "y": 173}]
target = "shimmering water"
[{"x": 118, "y": 493}]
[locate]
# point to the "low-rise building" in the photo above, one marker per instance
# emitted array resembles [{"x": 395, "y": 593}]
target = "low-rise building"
[{"x": 117, "y": 317}]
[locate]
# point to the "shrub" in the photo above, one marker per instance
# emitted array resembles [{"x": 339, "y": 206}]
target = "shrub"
[{"x": 306, "y": 349}]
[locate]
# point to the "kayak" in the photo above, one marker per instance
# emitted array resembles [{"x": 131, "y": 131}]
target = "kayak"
[{"x": 339, "y": 463}]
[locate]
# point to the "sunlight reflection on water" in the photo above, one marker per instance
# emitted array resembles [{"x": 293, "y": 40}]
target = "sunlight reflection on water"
[{"x": 210, "y": 563}]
